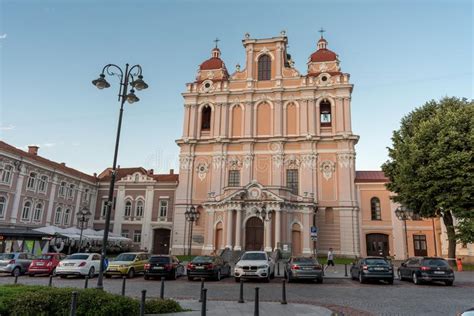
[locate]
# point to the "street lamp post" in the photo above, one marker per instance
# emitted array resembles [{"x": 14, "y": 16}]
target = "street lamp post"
[
  {"x": 131, "y": 76},
  {"x": 82, "y": 218},
  {"x": 404, "y": 214},
  {"x": 191, "y": 216}
]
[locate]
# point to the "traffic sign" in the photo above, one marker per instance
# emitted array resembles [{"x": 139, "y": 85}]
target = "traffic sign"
[
  {"x": 314, "y": 238},
  {"x": 314, "y": 231}
]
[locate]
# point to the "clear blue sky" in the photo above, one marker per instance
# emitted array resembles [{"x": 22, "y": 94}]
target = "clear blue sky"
[{"x": 399, "y": 54}]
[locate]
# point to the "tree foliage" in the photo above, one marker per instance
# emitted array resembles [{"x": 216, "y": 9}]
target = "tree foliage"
[{"x": 431, "y": 163}]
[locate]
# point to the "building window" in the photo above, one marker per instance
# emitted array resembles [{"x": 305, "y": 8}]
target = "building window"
[
  {"x": 70, "y": 191},
  {"x": 7, "y": 174},
  {"x": 264, "y": 67},
  {"x": 25, "y": 214},
  {"x": 419, "y": 243},
  {"x": 103, "y": 212},
  {"x": 137, "y": 236},
  {"x": 292, "y": 180},
  {"x": 128, "y": 208},
  {"x": 125, "y": 233},
  {"x": 62, "y": 189},
  {"x": 3, "y": 206},
  {"x": 57, "y": 216},
  {"x": 325, "y": 113},
  {"x": 234, "y": 178},
  {"x": 376, "y": 213},
  {"x": 86, "y": 195},
  {"x": 67, "y": 214},
  {"x": 206, "y": 118},
  {"x": 139, "y": 208},
  {"x": 163, "y": 208},
  {"x": 42, "y": 184},
  {"x": 31, "y": 181},
  {"x": 38, "y": 212}
]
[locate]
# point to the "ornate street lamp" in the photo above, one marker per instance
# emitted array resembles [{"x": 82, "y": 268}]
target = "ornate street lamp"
[
  {"x": 404, "y": 214},
  {"x": 83, "y": 217},
  {"x": 131, "y": 76},
  {"x": 191, "y": 215}
]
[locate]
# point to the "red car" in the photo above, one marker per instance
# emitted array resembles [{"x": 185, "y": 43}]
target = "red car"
[{"x": 45, "y": 264}]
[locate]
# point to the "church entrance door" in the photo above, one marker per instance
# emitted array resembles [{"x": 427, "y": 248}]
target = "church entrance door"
[
  {"x": 254, "y": 234},
  {"x": 377, "y": 245},
  {"x": 161, "y": 241}
]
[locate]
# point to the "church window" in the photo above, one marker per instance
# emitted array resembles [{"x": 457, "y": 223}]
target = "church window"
[
  {"x": 376, "y": 213},
  {"x": 292, "y": 180},
  {"x": 128, "y": 208},
  {"x": 206, "y": 118},
  {"x": 325, "y": 113},
  {"x": 139, "y": 208},
  {"x": 264, "y": 67},
  {"x": 234, "y": 178}
]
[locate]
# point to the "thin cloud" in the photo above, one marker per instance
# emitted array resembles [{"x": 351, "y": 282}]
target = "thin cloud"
[
  {"x": 7, "y": 128},
  {"x": 49, "y": 144},
  {"x": 3, "y": 36}
]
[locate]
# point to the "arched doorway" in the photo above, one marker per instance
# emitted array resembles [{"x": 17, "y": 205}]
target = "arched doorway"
[
  {"x": 254, "y": 234},
  {"x": 218, "y": 237},
  {"x": 377, "y": 245},
  {"x": 296, "y": 239},
  {"x": 161, "y": 241}
]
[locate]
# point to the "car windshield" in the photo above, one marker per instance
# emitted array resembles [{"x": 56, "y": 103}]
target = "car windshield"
[
  {"x": 45, "y": 257},
  {"x": 202, "y": 259},
  {"x": 125, "y": 257},
  {"x": 376, "y": 262},
  {"x": 78, "y": 257},
  {"x": 435, "y": 262},
  {"x": 6, "y": 256},
  {"x": 304, "y": 260},
  {"x": 254, "y": 256},
  {"x": 160, "y": 259}
]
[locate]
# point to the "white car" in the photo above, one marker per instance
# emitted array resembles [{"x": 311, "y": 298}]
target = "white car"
[
  {"x": 254, "y": 265},
  {"x": 83, "y": 264}
]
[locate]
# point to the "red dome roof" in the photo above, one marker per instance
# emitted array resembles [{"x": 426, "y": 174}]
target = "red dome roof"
[
  {"x": 212, "y": 63},
  {"x": 323, "y": 55}
]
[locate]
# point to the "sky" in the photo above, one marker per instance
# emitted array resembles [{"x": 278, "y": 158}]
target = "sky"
[{"x": 400, "y": 54}]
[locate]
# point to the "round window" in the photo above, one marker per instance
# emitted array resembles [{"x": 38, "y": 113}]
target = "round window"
[
  {"x": 207, "y": 85},
  {"x": 324, "y": 78}
]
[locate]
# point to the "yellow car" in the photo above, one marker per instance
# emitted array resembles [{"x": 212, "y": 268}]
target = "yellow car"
[{"x": 129, "y": 264}]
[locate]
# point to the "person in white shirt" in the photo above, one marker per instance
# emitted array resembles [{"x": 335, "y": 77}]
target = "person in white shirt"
[{"x": 331, "y": 260}]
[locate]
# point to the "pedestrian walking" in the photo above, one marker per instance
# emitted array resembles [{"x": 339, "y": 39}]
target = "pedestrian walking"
[{"x": 331, "y": 260}]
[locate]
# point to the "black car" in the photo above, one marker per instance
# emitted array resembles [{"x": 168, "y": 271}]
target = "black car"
[
  {"x": 420, "y": 269},
  {"x": 299, "y": 268},
  {"x": 208, "y": 267},
  {"x": 163, "y": 266},
  {"x": 372, "y": 268}
]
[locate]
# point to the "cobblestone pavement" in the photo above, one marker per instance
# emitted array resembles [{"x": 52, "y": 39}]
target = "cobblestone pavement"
[{"x": 338, "y": 294}]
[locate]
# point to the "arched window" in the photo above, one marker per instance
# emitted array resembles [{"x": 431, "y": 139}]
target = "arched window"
[
  {"x": 70, "y": 191},
  {"x": 376, "y": 213},
  {"x": 25, "y": 214},
  {"x": 139, "y": 208},
  {"x": 6, "y": 174},
  {"x": 206, "y": 118},
  {"x": 3, "y": 206},
  {"x": 325, "y": 113},
  {"x": 43, "y": 180},
  {"x": 57, "y": 216},
  {"x": 31, "y": 181},
  {"x": 67, "y": 215},
  {"x": 264, "y": 68},
  {"x": 62, "y": 189},
  {"x": 128, "y": 208},
  {"x": 38, "y": 212}
]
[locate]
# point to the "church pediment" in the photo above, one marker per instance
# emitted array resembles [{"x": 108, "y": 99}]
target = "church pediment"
[{"x": 253, "y": 192}]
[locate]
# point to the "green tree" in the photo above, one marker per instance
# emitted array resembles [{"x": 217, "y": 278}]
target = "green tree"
[{"x": 431, "y": 165}]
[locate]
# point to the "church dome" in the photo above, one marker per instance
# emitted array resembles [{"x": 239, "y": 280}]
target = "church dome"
[
  {"x": 215, "y": 62},
  {"x": 323, "y": 54}
]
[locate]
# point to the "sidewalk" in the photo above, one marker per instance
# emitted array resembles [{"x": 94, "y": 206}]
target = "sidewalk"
[
  {"x": 229, "y": 308},
  {"x": 339, "y": 272}
]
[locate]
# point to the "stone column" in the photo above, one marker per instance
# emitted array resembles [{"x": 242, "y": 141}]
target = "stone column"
[
  {"x": 147, "y": 232},
  {"x": 52, "y": 193},
  {"x": 119, "y": 210},
  {"x": 238, "y": 231},
  {"x": 228, "y": 228},
  {"x": 18, "y": 190},
  {"x": 209, "y": 243},
  {"x": 77, "y": 207},
  {"x": 268, "y": 235},
  {"x": 318, "y": 118},
  {"x": 277, "y": 228},
  {"x": 306, "y": 232}
]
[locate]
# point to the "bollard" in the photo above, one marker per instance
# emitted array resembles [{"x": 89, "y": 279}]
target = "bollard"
[
  {"x": 204, "y": 299},
  {"x": 142, "y": 303},
  {"x": 16, "y": 279},
  {"x": 72, "y": 312},
  {"x": 162, "y": 289},
  {"x": 124, "y": 280},
  {"x": 278, "y": 268},
  {"x": 202, "y": 286},
  {"x": 345, "y": 269},
  {"x": 50, "y": 284},
  {"x": 86, "y": 282},
  {"x": 283, "y": 293},
  {"x": 241, "y": 298},
  {"x": 256, "y": 309}
]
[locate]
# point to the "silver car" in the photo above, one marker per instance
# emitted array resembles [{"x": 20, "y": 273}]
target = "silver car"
[{"x": 15, "y": 263}]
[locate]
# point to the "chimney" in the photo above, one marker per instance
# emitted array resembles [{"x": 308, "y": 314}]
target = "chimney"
[
  {"x": 95, "y": 174},
  {"x": 171, "y": 171},
  {"x": 150, "y": 172},
  {"x": 33, "y": 149},
  {"x": 63, "y": 164}
]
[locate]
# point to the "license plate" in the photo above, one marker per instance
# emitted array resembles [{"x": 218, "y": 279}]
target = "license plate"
[
  {"x": 157, "y": 268},
  {"x": 439, "y": 272},
  {"x": 379, "y": 269},
  {"x": 199, "y": 268},
  {"x": 307, "y": 268},
  {"x": 69, "y": 264},
  {"x": 40, "y": 263}
]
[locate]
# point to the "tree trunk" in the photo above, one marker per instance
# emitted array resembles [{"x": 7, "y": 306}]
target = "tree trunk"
[{"x": 449, "y": 223}]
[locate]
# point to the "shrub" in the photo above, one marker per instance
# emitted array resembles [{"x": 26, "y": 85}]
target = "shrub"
[{"x": 159, "y": 306}]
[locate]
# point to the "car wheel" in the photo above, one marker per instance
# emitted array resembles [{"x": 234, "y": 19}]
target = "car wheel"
[
  {"x": 31, "y": 274},
  {"x": 63, "y": 276},
  {"x": 448, "y": 283},
  {"x": 415, "y": 279},
  {"x": 361, "y": 278},
  {"x": 53, "y": 273},
  {"x": 267, "y": 279},
  {"x": 390, "y": 281},
  {"x": 91, "y": 273},
  {"x": 146, "y": 277},
  {"x": 131, "y": 273},
  {"x": 218, "y": 275},
  {"x": 237, "y": 279},
  {"x": 174, "y": 274},
  {"x": 272, "y": 275},
  {"x": 16, "y": 271},
  {"x": 320, "y": 280},
  {"x": 108, "y": 276}
]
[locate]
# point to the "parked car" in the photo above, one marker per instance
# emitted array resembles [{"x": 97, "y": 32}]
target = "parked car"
[
  {"x": 372, "y": 268},
  {"x": 254, "y": 265},
  {"x": 163, "y": 266},
  {"x": 299, "y": 268},
  {"x": 208, "y": 267},
  {"x": 81, "y": 264},
  {"x": 45, "y": 264},
  {"x": 15, "y": 263},
  {"x": 128, "y": 263},
  {"x": 421, "y": 269}
]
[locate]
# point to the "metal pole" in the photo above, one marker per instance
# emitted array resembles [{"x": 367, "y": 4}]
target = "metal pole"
[
  {"x": 202, "y": 286},
  {"x": 184, "y": 237},
  {"x": 434, "y": 238},
  {"x": 72, "y": 312},
  {"x": 204, "y": 299},
  {"x": 100, "y": 281},
  {"x": 345, "y": 269},
  {"x": 86, "y": 283},
  {"x": 80, "y": 236},
  {"x": 162, "y": 289},
  {"x": 124, "y": 280},
  {"x": 256, "y": 307},
  {"x": 241, "y": 298},
  {"x": 142, "y": 303},
  {"x": 16, "y": 279},
  {"x": 190, "y": 236},
  {"x": 278, "y": 268},
  {"x": 50, "y": 284},
  {"x": 406, "y": 237},
  {"x": 283, "y": 294}
]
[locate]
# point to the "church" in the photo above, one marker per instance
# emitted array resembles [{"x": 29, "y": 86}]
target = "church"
[{"x": 268, "y": 152}]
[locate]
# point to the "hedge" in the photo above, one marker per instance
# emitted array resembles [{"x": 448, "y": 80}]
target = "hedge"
[{"x": 19, "y": 300}]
